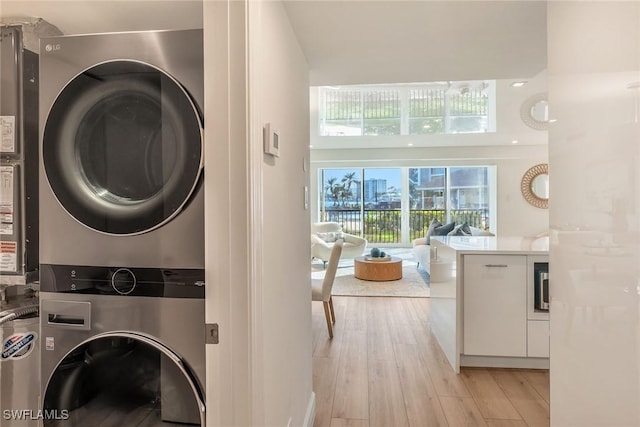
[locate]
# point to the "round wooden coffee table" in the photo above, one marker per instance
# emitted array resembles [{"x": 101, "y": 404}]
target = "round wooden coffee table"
[{"x": 379, "y": 271}]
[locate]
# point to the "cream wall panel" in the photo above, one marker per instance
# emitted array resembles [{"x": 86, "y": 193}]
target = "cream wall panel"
[
  {"x": 279, "y": 95},
  {"x": 594, "y": 54}
]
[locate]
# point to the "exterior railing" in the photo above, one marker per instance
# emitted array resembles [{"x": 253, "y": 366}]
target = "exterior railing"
[
  {"x": 420, "y": 219},
  {"x": 384, "y": 225},
  {"x": 349, "y": 219}
]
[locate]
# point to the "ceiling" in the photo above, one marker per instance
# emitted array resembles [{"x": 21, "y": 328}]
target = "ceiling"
[
  {"x": 100, "y": 16},
  {"x": 350, "y": 42}
]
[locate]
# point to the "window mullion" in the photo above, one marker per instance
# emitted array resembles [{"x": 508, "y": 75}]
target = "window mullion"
[
  {"x": 447, "y": 194},
  {"x": 362, "y": 95},
  {"x": 405, "y": 205},
  {"x": 404, "y": 110},
  {"x": 362, "y": 202},
  {"x": 447, "y": 115}
]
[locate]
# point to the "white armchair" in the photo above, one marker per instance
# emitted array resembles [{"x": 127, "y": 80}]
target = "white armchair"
[{"x": 324, "y": 235}]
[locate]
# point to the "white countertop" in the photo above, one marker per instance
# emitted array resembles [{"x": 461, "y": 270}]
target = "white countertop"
[
  {"x": 488, "y": 244},
  {"x": 509, "y": 244}
]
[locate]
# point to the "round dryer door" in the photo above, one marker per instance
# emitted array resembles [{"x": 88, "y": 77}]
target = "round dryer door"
[
  {"x": 122, "y": 379},
  {"x": 122, "y": 147}
]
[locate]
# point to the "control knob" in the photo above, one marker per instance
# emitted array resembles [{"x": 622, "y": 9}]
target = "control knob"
[{"x": 123, "y": 281}]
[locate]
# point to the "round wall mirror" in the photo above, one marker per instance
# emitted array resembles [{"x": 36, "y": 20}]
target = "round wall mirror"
[
  {"x": 535, "y": 112},
  {"x": 535, "y": 186},
  {"x": 540, "y": 186}
]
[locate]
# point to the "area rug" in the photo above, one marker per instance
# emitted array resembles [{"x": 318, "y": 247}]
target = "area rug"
[{"x": 414, "y": 282}]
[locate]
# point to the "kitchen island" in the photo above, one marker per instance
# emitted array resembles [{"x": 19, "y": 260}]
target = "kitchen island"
[{"x": 482, "y": 301}]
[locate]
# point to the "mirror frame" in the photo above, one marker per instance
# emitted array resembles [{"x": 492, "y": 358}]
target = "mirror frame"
[
  {"x": 525, "y": 112},
  {"x": 527, "y": 182}
]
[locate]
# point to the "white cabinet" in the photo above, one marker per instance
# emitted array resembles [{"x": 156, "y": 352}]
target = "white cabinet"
[
  {"x": 538, "y": 338},
  {"x": 495, "y": 305}
]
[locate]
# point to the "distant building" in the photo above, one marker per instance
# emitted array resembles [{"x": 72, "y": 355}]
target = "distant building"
[{"x": 374, "y": 188}]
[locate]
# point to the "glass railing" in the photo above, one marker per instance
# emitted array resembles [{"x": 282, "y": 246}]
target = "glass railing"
[{"x": 385, "y": 225}]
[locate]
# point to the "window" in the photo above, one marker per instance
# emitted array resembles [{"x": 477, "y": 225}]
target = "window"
[
  {"x": 396, "y": 205},
  {"x": 417, "y": 109}
]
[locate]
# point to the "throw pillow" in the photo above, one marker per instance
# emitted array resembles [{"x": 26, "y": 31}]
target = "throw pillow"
[
  {"x": 437, "y": 229},
  {"x": 443, "y": 230},
  {"x": 434, "y": 223},
  {"x": 328, "y": 237},
  {"x": 460, "y": 230}
]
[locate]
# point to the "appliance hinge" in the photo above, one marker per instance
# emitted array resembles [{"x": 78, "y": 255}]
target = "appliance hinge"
[{"x": 211, "y": 331}]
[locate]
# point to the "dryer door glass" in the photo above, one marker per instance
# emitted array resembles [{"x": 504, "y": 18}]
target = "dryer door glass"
[
  {"x": 122, "y": 147},
  {"x": 122, "y": 380}
]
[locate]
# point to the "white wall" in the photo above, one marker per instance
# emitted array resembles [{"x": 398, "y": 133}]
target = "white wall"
[
  {"x": 515, "y": 217},
  {"x": 594, "y": 161},
  {"x": 279, "y": 95}
]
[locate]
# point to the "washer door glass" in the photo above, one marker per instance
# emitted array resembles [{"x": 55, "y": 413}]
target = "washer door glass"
[
  {"x": 122, "y": 147},
  {"x": 122, "y": 379}
]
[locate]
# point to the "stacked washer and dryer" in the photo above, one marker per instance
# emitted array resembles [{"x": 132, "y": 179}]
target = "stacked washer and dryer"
[{"x": 122, "y": 229}]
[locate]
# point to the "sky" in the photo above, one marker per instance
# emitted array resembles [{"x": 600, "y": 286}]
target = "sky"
[{"x": 392, "y": 175}]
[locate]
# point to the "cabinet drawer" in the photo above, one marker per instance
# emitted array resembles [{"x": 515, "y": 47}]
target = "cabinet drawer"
[
  {"x": 495, "y": 305},
  {"x": 538, "y": 338}
]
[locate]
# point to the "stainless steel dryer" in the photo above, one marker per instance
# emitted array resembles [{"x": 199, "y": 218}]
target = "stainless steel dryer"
[{"x": 121, "y": 133}]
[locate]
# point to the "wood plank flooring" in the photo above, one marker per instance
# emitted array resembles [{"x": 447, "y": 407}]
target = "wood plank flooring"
[{"x": 384, "y": 368}]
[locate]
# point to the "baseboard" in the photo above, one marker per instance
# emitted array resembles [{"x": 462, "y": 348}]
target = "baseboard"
[
  {"x": 504, "y": 362},
  {"x": 311, "y": 411}
]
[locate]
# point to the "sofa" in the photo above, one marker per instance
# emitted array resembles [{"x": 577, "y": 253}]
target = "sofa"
[
  {"x": 422, "y": 249},
  {"x": 323, "y": 236}
]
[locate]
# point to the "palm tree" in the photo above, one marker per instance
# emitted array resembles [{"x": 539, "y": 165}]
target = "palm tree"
[
  {"x": 347, "y": 181},
  {"x": 335, "y": 191},
  {"x": 329, "y": 188}
]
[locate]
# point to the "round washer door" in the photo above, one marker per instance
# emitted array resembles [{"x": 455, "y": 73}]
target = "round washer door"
[
  {"x": 122, "y": 379},
  {"x": 122, "y": 147}
]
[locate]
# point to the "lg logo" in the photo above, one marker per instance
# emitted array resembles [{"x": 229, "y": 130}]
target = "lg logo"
[{"x": 52, "y": 47}]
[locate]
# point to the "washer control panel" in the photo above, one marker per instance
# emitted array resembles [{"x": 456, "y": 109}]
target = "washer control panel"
[{"x": 122, "y": 281}]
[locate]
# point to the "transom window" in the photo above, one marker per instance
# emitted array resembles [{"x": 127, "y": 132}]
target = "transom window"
[{"x": 408, "y": 109}]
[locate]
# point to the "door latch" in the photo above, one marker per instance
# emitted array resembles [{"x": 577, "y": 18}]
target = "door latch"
[{"x": 211, "y": 331}]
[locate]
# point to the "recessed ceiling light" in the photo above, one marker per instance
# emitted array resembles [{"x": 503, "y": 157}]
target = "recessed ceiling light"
[
  {"x": 552, "y": 120},
  {"x": 310, "y": 146},
  {"x": 515, "y": 141},
  {"x": 518, "y": 84},
  {"x": 410, "y": 144}
]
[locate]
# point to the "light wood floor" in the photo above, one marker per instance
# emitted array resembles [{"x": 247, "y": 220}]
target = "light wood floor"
[{"x": 384, "y": 368}]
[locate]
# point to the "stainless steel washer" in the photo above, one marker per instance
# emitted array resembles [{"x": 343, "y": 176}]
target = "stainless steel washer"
[{"x": 122, "y": 347}]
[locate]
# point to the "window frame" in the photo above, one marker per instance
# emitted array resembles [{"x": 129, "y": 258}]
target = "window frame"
[{"x": 407, "y": 234}]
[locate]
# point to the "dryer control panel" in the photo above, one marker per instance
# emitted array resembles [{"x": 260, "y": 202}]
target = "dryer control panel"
[{"x": 123, "y": 281}]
